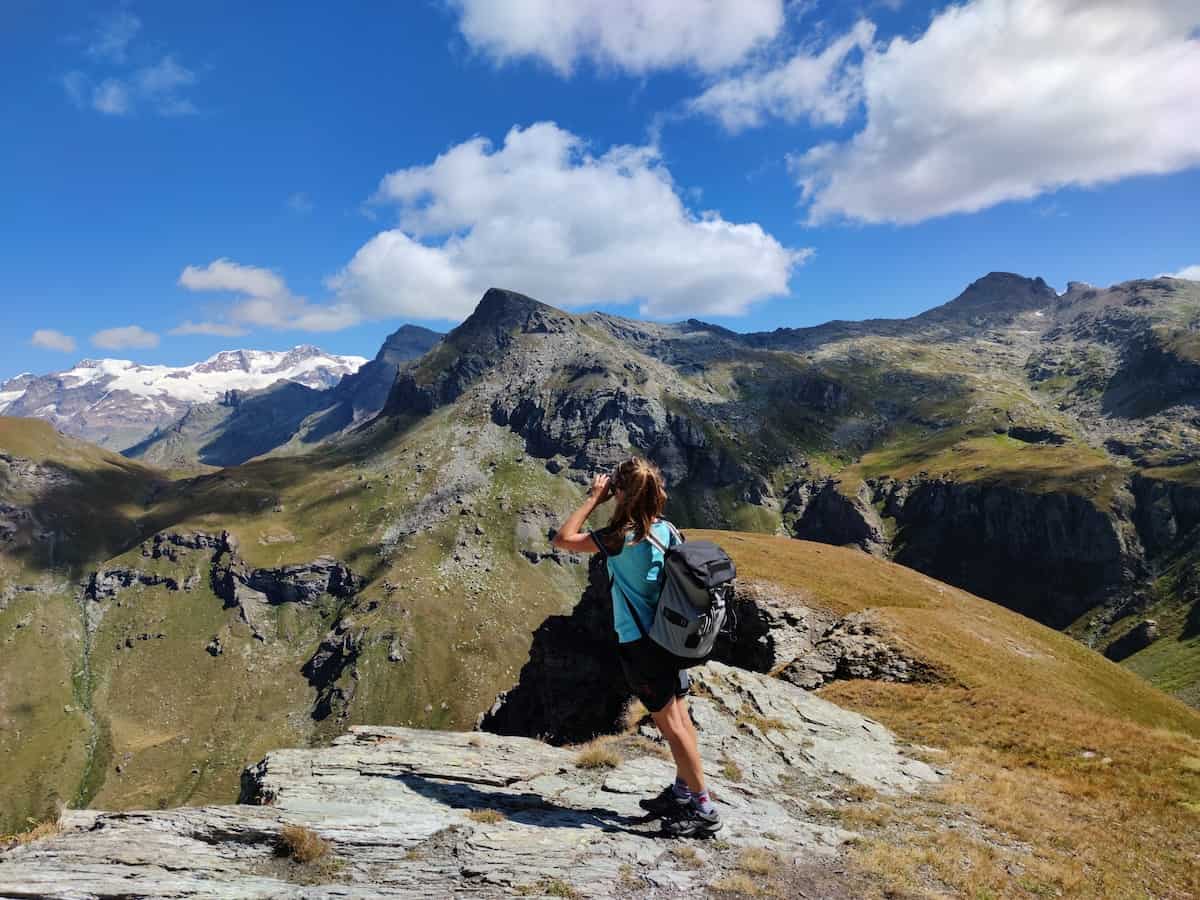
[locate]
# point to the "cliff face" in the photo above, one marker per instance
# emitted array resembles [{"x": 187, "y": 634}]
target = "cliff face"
[{"x": 410, "y": 813}]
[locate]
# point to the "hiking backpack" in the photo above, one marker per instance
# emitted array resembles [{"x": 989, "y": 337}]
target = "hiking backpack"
[{"x": 696, "y": 592}]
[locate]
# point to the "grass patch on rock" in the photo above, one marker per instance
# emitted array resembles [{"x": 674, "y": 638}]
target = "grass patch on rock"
[
  {"x": 599, "y": 754},
  {"x": 486, "y": 816},
  {"x": 302, "y": 844}
]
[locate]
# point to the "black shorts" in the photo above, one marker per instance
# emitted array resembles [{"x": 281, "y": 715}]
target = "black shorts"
[{"x": 653, "y": 676}]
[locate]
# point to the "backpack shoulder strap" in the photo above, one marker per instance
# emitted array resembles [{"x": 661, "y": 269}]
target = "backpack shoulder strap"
[{"x": 676, "y": 537}]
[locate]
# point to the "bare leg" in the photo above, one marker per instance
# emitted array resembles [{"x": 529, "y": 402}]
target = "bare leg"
[{"x": 675, "y": 724}]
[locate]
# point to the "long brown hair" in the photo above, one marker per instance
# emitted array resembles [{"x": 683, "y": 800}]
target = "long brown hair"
[{"x": 643, "y": 496}]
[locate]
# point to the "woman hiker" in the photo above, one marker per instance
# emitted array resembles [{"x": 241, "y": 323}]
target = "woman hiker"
[{"x": 635, "y": 568}]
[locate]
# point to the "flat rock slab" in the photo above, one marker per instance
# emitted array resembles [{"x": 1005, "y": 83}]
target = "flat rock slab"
[{"x": 401, "y": 810}]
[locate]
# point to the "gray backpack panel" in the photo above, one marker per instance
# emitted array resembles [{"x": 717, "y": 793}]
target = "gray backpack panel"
[{"x": 697, "y": 586}]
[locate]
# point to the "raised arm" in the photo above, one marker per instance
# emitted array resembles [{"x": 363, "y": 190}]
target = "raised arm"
[{"x": 571, "y": 536}]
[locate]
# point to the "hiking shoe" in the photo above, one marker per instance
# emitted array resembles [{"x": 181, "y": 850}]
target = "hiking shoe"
[
  {"x": 691, "y": 822},
  {"x": 667, "y": 803}
]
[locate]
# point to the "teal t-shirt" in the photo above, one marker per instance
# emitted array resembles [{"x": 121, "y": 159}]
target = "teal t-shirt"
[{"x": 636, "y": 573}]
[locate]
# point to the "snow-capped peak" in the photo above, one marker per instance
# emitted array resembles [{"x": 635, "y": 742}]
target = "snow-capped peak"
[{"x": 241, "y": 370}]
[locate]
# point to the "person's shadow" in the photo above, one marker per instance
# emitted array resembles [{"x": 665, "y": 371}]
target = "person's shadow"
[{"x": 524, "y": 809}]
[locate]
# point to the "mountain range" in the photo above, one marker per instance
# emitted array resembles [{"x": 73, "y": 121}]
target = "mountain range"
[
  {"x": 1036, "y": 449},
  {"x": 222, "y": 411}
]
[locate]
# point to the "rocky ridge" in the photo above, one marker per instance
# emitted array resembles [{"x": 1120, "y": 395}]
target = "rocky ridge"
[
  {"x": 240, "y": 425},
  {"x": 406, "y": 811},
  {"x": 1011, "y": 441}
]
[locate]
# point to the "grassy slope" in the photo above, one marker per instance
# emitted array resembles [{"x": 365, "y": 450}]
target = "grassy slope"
[
  {"x": 164, "y": 706},
  {"x": 1050, "y": 744},
  {"x": 45, "y": 731}
]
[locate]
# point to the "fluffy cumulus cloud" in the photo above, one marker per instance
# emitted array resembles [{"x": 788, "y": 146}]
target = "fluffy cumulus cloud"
[
  {"x": 1188, "y": 273},
  {"x": 541, "y": 215},
  {"x": 632, "y": 35},
  {"x": 126, "y": 337},
  {"x": 227, "y": 276},
  {"x": 821, "y": 86},
  {"x": 1006, "y": 99},
  {"x": 49, "y": 339},
  {"x": 260, "y": 298}
]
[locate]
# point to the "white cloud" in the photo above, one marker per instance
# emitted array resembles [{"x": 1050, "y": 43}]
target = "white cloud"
[
  {"x": 115, "y": 90},
  {"x": 1188, "y": 273},
  {"x": 540, "y": 215},
  {"x": 111, "y": 97},
  {"x": 262, "y": 298},
  {"x": 1007, "y": 99},
  {"x": 226, "y": 275},
  {"x": 49, "y": 339},
  {"x": 637, "y": 36},
  {"x": 125, "y": 337},
  {"x": 218, "y": 329},
  {"x": 110, "y": 42},
  {"x": 544, "y": 216},
  {"x": 822, "y": 87}
]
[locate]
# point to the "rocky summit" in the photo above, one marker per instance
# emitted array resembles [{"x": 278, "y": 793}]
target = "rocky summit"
[{"x": 407, "y": 813}]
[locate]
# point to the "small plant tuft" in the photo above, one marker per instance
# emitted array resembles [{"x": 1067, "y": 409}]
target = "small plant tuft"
[
  {"x": 762, "y": 723},
  {"x": 599, "y": 754},
  {"x": 731, "y": 770},
  {"x": 486, "y": 816},
  {"x": 688, "y": 857},
  {"x": 737, "y": 884},
  {"x": 37, "y": 831},
  {"x": 302, "y": 844},
  {"x": 757, "y": 861},
  {"x": 547, "y": 887}
]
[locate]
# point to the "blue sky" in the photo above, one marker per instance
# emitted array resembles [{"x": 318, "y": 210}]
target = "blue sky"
[{"x": 320, "y": 173}]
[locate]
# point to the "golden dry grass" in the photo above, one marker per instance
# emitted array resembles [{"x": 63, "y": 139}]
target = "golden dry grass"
[
  {"x": 757, "y": 861},
  {"x": 302, "y": 844},
  {"x": 599, "y": 754},
  {"x": 762, "y": 723},
  {"x": 1075, "y": 772},
  {"x": 37, "y": 831},
  {"x": 731, "y": 770},
  {"x": 738, "y": 885},
  {"x": 485, "y": 816},
  {"x": 634, "y": 715},
  {"x": 687, "y": 857}
]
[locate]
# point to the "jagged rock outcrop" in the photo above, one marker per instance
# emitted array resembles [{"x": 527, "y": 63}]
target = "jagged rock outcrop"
[
  {"x": 28, "y": 476},
  {"x": 574, "y": 656},
  {"x": 253, "y": 590},
  {"x": 822, "y": 512},
  {"x": 337, "y": 652},
  {"x": 1049, "y": 555},
  {"x": 571, "y": 657},
  {"x": 401, "y": 810},
  {"x": 172, "y": 545},
  {"x": 1139, "y": 637},
  {"x": 107, "y": 584},
  {"x": 1166, "y": 511}
]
